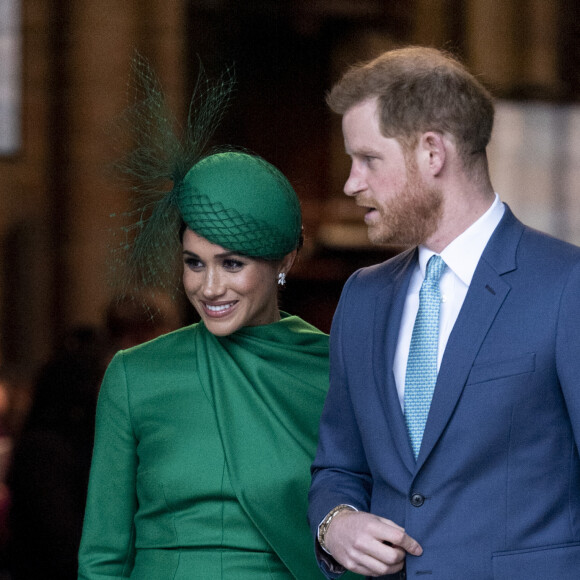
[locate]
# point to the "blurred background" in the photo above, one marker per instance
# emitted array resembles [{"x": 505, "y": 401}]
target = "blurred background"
[{"x": 64, "y": 72}]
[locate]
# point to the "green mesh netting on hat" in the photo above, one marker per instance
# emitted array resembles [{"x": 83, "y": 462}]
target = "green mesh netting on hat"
[{"x": 242, "y": 203}]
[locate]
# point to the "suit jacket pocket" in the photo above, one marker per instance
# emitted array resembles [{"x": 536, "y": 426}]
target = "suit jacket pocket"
[
  {"x": 499, "y": 369},
  {"x": 559, "y": 561}
]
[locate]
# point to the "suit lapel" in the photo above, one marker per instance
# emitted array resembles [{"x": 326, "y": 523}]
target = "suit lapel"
[
  {"x": 387, "y": 320},
  {"x": 485, "y": 296}
]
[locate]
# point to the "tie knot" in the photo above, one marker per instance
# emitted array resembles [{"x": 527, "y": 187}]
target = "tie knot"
[{"x": 435, "y": 267}]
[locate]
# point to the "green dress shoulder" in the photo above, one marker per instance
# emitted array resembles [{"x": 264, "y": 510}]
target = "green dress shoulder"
[{"x": 202, "y": 455}]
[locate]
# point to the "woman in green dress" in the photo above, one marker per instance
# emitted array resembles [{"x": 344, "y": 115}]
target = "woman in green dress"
[{"x": 205, "y": 436}]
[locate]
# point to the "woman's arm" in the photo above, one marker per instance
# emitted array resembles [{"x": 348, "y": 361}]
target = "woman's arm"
[{"x": 108, "y": 541}]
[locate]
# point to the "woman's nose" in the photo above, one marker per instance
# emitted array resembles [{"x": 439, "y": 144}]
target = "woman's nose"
[{"x": 213, "y": 284}]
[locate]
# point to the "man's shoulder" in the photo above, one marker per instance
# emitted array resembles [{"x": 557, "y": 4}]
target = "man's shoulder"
[
  {"x": 541, "y": 246},
  {"x": 511, "y": 227},
  {"x": 517, "y": 246},
  {"x": 384, "y": 271}
]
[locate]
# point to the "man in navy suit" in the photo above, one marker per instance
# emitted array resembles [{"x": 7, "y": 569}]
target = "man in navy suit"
[{"x": 491, "y": 487}]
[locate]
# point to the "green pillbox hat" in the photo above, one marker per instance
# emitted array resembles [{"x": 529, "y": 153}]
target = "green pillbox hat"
[{"x": 242, "y": 203}]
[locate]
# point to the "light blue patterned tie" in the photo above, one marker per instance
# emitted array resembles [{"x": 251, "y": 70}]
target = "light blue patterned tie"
[{"x": 422, "y": 363}]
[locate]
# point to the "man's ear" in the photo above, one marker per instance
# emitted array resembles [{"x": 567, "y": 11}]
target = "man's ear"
[{"x": 433, "y": 151}]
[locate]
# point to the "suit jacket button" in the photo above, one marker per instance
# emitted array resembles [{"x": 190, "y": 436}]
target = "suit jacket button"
[{"x": 417, "y": 499}]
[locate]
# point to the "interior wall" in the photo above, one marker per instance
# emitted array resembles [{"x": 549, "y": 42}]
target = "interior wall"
[{"x": 56, "y": 197}]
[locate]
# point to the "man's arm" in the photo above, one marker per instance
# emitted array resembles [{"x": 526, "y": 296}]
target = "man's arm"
[{"x": 341, "y": 475}]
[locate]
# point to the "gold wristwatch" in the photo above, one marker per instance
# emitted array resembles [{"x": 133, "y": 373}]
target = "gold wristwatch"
[{"x": 325, "y": 524}]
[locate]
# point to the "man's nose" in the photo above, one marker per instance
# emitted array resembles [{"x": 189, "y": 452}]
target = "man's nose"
[{"x": 355, "y": 183}]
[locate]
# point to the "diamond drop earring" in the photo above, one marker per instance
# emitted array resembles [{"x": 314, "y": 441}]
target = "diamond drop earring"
[{"x": 281, "y": 278}]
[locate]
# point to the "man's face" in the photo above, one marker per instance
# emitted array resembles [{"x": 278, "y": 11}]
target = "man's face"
[{"x": 386, "y": 181}]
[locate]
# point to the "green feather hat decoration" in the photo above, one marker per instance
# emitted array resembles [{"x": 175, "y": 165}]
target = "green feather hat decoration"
[
  {"x": 232, "y": 198},
  {"x": 160, "y": 156}
]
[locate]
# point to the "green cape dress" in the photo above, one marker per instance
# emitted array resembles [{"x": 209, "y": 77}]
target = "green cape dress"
[{"x": 202, "y": 454}]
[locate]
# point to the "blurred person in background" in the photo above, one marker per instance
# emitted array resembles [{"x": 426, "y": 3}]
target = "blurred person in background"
[
  {"x": 7, "y": 428},
  {"x": 50, "y": 467},
  {"x": 139, "y": 317}
]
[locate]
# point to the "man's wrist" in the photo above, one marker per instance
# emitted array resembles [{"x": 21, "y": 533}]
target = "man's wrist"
[{"x": 325, "y": 523}]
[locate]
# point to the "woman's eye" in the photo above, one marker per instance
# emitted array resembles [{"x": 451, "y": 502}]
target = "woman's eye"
[
  {"x": 233, "y": 265},
  {"x": 192, "y": 263}
]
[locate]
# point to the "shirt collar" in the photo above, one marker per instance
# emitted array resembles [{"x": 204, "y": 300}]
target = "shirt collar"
[{"x": 463, "y": 253}]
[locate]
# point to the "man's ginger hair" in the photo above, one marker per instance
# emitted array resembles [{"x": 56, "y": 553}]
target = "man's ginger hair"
[{"x": 421, "y": 89}]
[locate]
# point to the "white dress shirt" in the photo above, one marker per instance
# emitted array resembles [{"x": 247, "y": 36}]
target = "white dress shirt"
[{"x": 461, "y": 256}]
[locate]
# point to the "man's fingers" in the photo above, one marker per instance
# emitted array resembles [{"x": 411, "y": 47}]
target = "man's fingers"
[
  {"x": 410, "y": 545},
  {"x": 390, "y": 523},
  {"x": 414, "y": 548},
  {"x": 377, "y": 562},
  {"x": 395, "y": 535}
]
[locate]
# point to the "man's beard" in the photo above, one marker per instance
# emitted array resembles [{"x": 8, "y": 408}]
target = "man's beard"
[{"x": 410, "y": 217}]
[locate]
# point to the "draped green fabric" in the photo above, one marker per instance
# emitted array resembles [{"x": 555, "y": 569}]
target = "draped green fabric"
[
  {"x": 202, "y": 454},
  {"x": 268, "y": 384}
]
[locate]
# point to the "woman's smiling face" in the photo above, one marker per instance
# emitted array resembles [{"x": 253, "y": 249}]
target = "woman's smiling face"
[{"x": 228, "y": 290}]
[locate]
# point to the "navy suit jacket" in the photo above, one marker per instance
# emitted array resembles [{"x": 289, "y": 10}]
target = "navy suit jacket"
[{"x": 495, "y": 491}]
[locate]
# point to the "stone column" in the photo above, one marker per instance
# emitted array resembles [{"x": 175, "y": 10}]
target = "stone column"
[{"x": 105, "y": 35}]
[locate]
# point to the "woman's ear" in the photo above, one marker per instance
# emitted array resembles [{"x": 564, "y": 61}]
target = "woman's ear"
[{"x": 287, "y": 262}]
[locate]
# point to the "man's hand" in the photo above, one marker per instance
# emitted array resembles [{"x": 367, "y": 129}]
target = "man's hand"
[{"x": 368, "y": 544}]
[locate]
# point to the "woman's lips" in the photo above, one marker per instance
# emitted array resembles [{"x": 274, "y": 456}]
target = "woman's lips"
[{"x": 219, "y": 310}]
